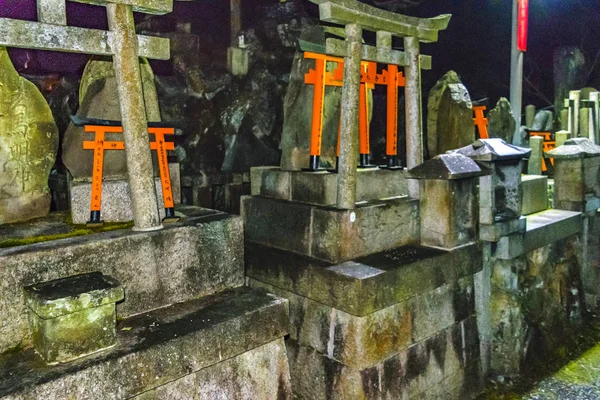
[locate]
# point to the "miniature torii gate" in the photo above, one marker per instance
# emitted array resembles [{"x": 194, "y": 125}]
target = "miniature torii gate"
[
  {"x": 357, "y": 16},
  {"x": 51, "y": 32}
]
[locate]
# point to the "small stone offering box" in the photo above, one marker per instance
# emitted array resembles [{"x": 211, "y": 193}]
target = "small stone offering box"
[{"x": 73, "y": 317}]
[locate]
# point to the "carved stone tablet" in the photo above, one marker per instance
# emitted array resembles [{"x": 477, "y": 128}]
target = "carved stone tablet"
[{"x": 28, "y": 145}]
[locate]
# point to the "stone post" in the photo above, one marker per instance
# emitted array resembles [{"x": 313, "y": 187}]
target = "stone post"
[
  {"x": 534, "y": 166},
  {"x": 561, "y": 137},
  {"x": 133, "y": 115},
  {"x": 529, "y": 115},
  {"x": 52, "y": 12},
  {"x": 236, "y": 20},
  {"x": 574, "y": 112},
  {"x": 584, "y": 119},
  {"x": 564, "y": 116},
  {"x": 413, "y": 109},
  {"x": 595, "y": 100},
  {"x": 346, "y": 180}
]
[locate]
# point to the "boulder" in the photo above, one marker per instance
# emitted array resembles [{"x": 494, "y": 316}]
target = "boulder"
[
  {"x": 449, "y": 116},
  {"x": 501, "y": 121},
  {"x": 28, "y": 145},
  {"x": 543, "y": 121}
]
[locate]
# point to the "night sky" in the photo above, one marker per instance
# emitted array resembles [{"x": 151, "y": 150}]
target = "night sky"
[{"x": 476, "y": 44}]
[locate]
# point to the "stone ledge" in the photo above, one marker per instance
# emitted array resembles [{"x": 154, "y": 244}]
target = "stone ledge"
[
  {"x": 543, "y": 228},
  {"x": 195, "y": 257},
  {"x": 368, "y": 284},
  {"x": 328, "y": 233},
  {"x": 320, "y": 188},
  {"x": 153, "y": 349},
  {"x": 494, "y": 232}
]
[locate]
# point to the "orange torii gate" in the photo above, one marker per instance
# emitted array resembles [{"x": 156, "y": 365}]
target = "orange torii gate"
[
  {"x": 99, "y": 145},
  {"x": 321, "y": 78},
  {"x": 481, "y": 122}
]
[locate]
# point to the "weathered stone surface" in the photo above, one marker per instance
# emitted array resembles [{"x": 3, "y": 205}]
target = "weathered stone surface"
[
  {"x": 493, "y": 232},
  {"x": 116, "y": 199},
  {"x": 320, "y": 188},
  {"x": 447, "y": 167},
  {"x": 535, "y": 194},
  {"x": 544, "y": 121},
  {"x": 450, "y": 116},
  {"x": 164, "y": 345},
  {"x": 569, "y": 73},
  {"x": 195, "y": 257},
  {"x": 501, "y": 121},
  {"x": 328, "y": 233},
  {"x": 28, "y": 145},
  {"x": 365, "y": 285},
  {"x": 534, "y": 165},
  {"x": 99, "y": 99}
]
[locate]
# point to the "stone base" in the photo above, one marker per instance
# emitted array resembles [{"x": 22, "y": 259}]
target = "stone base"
[
  {"x": 320, "y": 188},
  {"x": 400, "y": 324},
  {"x": 238, "y": 61},
  {"x": 497, "y": 230},
  {"x": 224, "y": 346},
  {"x": 329, "y": 233},
  {"x": 198, "y": 256},
  {"x": 24, "y": 208},
  {"x": 116, "y": 198},
  {"x": 535, "y": 194}
]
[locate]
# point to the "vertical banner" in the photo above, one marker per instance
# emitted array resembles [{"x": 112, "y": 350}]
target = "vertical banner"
[{"x": 523, "y": 18}]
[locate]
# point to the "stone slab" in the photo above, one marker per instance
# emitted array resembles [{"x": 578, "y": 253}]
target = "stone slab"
[
  {"x": 535, "y": 194},
  {"x": 363, "y": 342},
  {"x": 494, "y": 232},
  {"x": 328, "y": 233},
  {"x": 365, "y": 285},
  {"x": 195, "y": 257},
  {"x": 543, "y": 228},
  {"x": 320, "y": 188},
  {"x": 116, "y": 198},
  {"x": 446, "y": 363},
  {"x": 159, "y": 347}
]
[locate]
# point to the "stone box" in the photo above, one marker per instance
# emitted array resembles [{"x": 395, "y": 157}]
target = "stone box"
[{"x": 75, "y": 316}]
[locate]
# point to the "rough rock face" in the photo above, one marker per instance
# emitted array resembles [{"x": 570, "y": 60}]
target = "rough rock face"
[
  {"x": 450, "y": 116},
  {"x": 501, "y": 121},
  {"x": 543, "y": 121},
  {"x": 99, "y": 98},
  {"x": 28, "y": 144}
]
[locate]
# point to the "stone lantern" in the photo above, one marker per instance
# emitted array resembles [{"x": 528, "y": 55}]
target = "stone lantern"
[
  {"x": 576, "y": 175},
  {"x": 500, "y": 192},
  {"x": 447, "y": 202}
]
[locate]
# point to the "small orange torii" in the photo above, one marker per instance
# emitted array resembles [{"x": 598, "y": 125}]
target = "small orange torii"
[
  {"x": 481, "y": 121},
  {"x": 549, "y": 144},
  {"x": 99, "y": 145},
  {"x": 320, "y": 78}
]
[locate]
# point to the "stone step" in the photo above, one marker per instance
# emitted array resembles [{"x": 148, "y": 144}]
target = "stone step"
[
  {"x": 182, "y": 341},
  {"x": 198, "y": 256}
]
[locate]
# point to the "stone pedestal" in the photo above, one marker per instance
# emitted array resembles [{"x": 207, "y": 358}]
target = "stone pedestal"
[
  {"x": 238, "y": 60},
  {"x": 73, "y": 317}
]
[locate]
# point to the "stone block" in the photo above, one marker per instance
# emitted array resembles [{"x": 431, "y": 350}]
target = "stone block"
[
  {"x": 238, "y": 60},
  {"x": 158, "y": 347},
  {"x": 365, "y": 285},
  {"x": 320, "y": 188},
  {"x": 535, "y": 194},
  {"x": 509, "y": 247},
  {"x": 329, "y": 233},
  {"x": 73, "y": 317},
  {"x": 495, "y": 231},
  {"x": 534, "y": 166},
  {"x": 116, "y": 199},
  {"x": 198, "y": 256}
]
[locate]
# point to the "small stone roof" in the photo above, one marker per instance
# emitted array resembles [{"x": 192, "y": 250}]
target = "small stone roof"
[
  {"x": 575, "y": 148},
  {"x": 448, "y": 167},
  {"x": 492, "y": 150}
]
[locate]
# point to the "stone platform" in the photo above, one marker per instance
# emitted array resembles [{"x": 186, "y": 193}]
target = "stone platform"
[
  {"x": 398, "y": 324},
  {"x": 328, "y": 233},
  {"x": 227, "y": 345},
  {"x": 320, "y": 188}
]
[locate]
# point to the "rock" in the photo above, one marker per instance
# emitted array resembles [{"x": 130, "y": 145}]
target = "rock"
[
  {"x": 569, "y": 73},
  {"x": 99, "y": 98},
  {"x": 450, "y": 116},
  {"x": 585, "y": 93},
  {"x": 501, "y": 121},
  {"x": 28, "y": 145},
  {"x": 543, "y": 121}
]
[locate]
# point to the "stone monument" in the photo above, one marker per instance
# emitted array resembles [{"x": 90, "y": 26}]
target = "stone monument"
[{"x": 28, "y": 145}]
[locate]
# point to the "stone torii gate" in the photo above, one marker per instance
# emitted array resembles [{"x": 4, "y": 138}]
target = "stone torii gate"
[
  {"x": 356, "y": 17},
  {"x": 51, "y": 32}
]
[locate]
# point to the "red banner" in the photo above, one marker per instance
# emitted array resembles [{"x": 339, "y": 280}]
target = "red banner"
[{"x": 522, "y": 20}]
